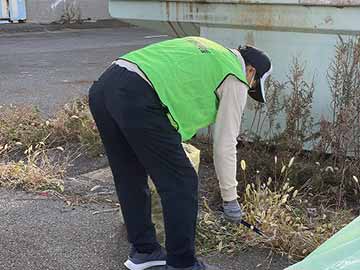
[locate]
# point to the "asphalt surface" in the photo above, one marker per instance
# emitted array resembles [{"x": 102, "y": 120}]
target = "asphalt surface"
[
  {"x": 37, "y": 233},
  {"x": 47, "y": 69}
]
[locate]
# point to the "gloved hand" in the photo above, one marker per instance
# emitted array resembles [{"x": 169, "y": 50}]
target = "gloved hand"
[{"x": 232, "y": 211}]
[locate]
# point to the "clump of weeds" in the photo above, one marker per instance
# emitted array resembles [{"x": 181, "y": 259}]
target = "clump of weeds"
[
  {"x": 74, "y": 123},
  {"x": 30, "y": 143},
  {"x": 294, "y": 221},
  {"x": 33, "y": 173},
  {"x": 21, "y": 127}
]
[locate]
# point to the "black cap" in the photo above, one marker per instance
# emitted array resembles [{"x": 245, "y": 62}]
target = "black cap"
[{"x": 262, "y": 63}]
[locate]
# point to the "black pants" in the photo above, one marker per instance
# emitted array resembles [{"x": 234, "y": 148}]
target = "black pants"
[{"x": 140, "y": 141}]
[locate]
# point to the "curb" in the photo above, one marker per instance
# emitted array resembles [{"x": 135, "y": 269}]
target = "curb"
[{"x": 35, "y": 27}]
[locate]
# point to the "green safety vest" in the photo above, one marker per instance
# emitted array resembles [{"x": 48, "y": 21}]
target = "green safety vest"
[{"x": 185, "y": 73}]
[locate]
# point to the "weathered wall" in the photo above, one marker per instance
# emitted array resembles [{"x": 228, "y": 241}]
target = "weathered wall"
[{"x": 46, "y": 11}]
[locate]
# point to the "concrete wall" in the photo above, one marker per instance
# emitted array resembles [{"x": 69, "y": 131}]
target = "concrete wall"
[
  {"x": 306, "y": 29},
  {"x": 46, "y": 11}
]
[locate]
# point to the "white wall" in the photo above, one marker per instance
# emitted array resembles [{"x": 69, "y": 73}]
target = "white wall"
[{"x": 46, "y": 11}]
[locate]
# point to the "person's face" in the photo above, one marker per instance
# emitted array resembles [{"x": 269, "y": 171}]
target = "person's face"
[{"x": 250, "y": 76}]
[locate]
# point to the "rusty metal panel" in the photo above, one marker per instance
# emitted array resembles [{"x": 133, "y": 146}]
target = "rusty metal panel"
[
  {"x": 334, "y": 3},
  {"x": 337, "y": 3},
  {"x": 279, "y": 17}
]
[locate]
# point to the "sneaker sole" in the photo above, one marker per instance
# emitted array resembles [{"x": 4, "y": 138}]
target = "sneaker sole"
[{"x": 132, "y": 266}]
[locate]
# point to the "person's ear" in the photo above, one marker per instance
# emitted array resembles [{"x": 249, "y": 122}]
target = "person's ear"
[
  {"x": 250, "y": 74},
  {"x": 250, "y": 70},
  {"x": 253, "y": 71}
]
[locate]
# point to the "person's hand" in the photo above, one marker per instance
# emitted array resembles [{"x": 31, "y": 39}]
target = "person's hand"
[{"x": 232, "y": 211}]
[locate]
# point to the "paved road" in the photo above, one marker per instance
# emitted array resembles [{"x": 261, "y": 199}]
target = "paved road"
[{"x": 47, "y": 69}]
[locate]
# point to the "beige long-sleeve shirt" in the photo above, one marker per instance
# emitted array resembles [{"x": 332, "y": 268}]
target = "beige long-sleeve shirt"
[{"x": 232, "y": 94}]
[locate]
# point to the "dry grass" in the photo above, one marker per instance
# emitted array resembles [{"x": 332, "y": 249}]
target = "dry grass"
[
  {"x": 27, "y": 138},
  {"x": 35, "y": 172},
  {"x": 75, "y": 123},
  {"x": 21, "y": 127},
  {"x": 294, "y": 221}
]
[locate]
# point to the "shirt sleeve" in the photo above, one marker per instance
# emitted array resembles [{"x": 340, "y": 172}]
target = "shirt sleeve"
[{"x": 232, "y": 94}]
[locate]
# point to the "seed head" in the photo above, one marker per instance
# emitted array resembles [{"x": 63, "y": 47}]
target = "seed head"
[
  {"x": 291, "y": 162},
  {"x": 243, "y": 165},
  {"x": 356, "y": 179}
]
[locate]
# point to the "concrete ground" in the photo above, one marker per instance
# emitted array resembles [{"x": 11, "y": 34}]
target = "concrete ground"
[
  {"x": 39, "y": 233},
  {"x": 47, "y": 69}
]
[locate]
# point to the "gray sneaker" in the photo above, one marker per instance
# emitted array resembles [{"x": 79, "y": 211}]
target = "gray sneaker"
[
  {"x": 232, "y": 211},
  {"x": 141, "y": 261},
  {"x": 199, "y": 265}
]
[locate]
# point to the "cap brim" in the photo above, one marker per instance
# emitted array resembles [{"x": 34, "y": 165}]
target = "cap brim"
[
  {"x": 262, "y": 83},
  {"x": 259, "y": 93}
]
